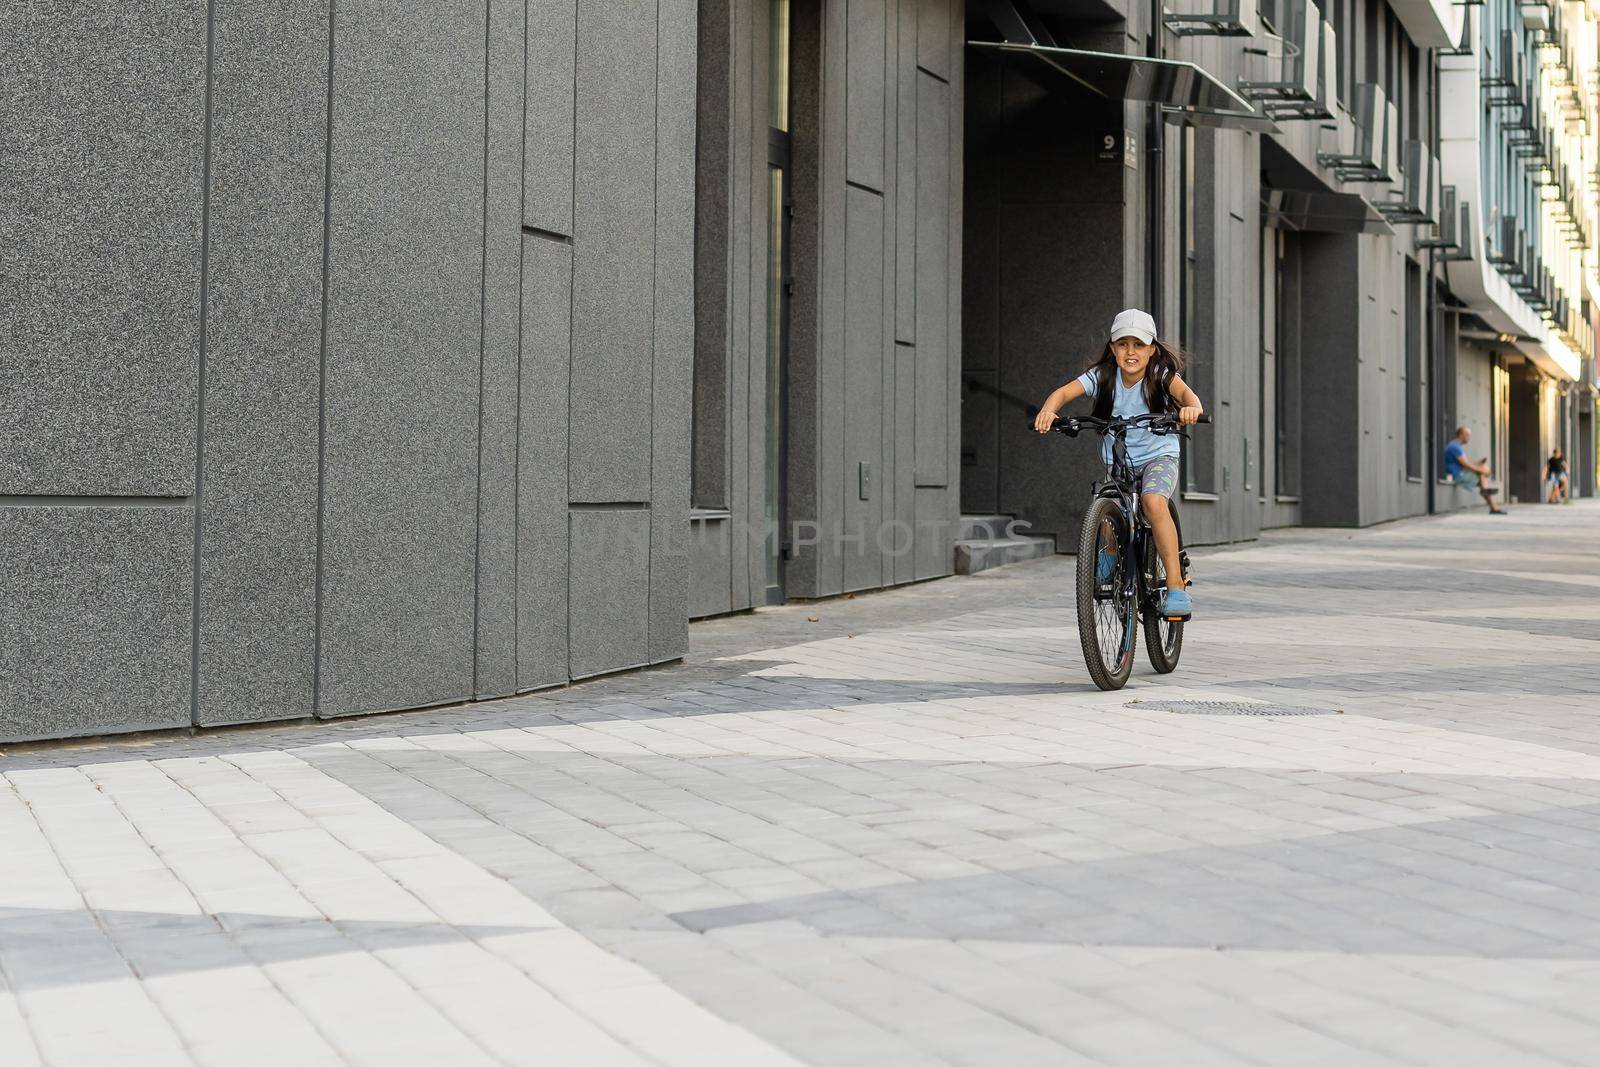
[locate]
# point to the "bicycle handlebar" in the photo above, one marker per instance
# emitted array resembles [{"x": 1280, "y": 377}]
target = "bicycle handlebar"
[{"x": 1162, "y": 423}]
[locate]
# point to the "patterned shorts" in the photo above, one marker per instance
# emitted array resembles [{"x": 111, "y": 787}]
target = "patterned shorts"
[{"x": 1159, "y": 476}]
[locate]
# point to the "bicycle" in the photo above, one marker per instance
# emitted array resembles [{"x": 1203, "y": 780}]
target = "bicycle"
[{"x": 1108, "y": 610}]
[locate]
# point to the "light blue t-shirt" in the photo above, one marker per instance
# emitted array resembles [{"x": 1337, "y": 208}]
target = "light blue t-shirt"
[{"x": 1143, "y": 446}]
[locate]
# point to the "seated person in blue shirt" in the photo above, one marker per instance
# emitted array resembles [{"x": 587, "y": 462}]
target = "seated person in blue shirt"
[{"x": 1464, "y": 472}]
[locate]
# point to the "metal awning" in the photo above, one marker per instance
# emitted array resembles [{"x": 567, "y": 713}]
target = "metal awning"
[
  {"x": 1180, "y": 88},
  {"x": 1297, "y": 209}
]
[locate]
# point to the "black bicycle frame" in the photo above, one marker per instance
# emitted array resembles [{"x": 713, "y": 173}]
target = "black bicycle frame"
[{"x": 1121, "y": 486}]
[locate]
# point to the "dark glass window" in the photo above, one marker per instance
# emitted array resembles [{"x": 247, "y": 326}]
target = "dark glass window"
[
  {"x": 1336, "y": 18},
  {"x": 1414, "y": 92},
  {"x": 1371, "y": 30},
  {"x": 1391, "y": 61}
]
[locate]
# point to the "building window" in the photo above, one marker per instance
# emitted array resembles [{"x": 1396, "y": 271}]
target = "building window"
[
  {"x": 1391, "y": 60},
  {"x": 1371, "y": 27},
  {"x": 1414, "y": 92},
  {"x": 778, "y": 67},
  {"x": 1336, "y": 18}
]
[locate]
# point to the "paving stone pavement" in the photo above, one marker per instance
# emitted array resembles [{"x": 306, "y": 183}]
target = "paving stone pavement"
[{"x": 901, "y": 828}]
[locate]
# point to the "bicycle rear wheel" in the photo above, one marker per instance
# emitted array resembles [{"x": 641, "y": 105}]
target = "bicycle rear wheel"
[{"x": 1106, "y": 610}]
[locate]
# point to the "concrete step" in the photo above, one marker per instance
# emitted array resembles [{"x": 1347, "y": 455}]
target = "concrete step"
[
  {"x": 982, "y": 554},
  {"x": 985, "y": 527}
]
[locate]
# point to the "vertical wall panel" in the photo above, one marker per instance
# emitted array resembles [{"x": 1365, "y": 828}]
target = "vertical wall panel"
[
  {"x": 708, "y": 567},
  {"x": 95, "y": 633},
  {"x": 542, "y": 464},
  {"x": 402, "y": 363},
  {"x": 806, "y": 444},
  {"x": 832, "y": 459},
  {"x": 674, "y": 331},
  {"x": 933, "y": 274},
  {"x": 548, "y": 132},
  {"x": 610, "y": 598},
  {"x": 613, "y": 237},
  {"x": 863, "y": 392},
  {"x": 258, "y": 484},
  {"x": 749, "y": 119},
  {"x": 934, "y": 24},
  {"x": 905, "y": 499},
  {"x": 713, "y": 220},
  {"x": 100, "y": 262},
  {"x": 750, "y": 416},
  {"x": 883, "y": 476},
  {"x": 933, "y": 555},
  {"x": 954, "y": 152},
  {"x": 905, "y": 202},
  {"x": 866, "y": 28},
  {"x": 496, "y": 646}
]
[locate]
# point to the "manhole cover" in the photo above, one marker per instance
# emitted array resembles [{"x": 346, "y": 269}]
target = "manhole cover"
[{"x": 1228, "y": 707}]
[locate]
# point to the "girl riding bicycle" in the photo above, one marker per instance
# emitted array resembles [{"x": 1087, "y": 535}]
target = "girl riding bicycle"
[{"x": 1137, "y": 374}]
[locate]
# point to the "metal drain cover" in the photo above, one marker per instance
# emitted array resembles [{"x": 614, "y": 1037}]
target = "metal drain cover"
[{"x": 1227, "y": 707}]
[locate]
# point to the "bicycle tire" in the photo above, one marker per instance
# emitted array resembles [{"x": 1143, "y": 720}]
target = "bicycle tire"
[
  {"x": 1163, "y": 640},
  {"x": 1095, "y": 614}
]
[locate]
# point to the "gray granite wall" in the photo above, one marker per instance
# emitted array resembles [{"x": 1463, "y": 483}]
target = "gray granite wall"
[
  {"x": 346, "y": 354},
  {"x": 873, "y": 431}
]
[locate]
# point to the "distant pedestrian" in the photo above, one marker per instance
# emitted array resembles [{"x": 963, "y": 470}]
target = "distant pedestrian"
[
  {"x": 1555, "y": 478},
  {"x": 1467, "y": 473}
]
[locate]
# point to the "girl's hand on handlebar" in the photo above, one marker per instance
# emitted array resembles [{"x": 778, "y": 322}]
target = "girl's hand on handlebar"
[
  {"x": 1045, "y": 421},
  {"x": 1189, "y": 416}
]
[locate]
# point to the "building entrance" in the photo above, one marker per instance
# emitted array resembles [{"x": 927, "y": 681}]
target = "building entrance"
[{"x": 1524, "y": 458}]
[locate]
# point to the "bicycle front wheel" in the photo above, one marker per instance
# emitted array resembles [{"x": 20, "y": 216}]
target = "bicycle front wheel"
[{"x": 1106, "y": 609}]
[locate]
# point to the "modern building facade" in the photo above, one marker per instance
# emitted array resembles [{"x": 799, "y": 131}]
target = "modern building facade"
[
  {"x": 1520, "y": 100},
  {"x": 369, "y": 356}
]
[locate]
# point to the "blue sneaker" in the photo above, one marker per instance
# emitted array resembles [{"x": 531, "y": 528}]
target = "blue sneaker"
[
  {"x": 1175, "y": 604},
  {"x": 1105, "y": 565}
]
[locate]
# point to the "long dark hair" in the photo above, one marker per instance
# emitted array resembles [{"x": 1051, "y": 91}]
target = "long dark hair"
[{"x": 1165, "y": 364}]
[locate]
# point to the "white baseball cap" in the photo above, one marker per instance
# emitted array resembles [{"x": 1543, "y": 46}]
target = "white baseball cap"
[{"x": 1134, "y": 323}]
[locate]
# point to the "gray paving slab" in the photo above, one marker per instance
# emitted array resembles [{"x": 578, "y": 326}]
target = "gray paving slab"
[{"x": 897, "y": 828}]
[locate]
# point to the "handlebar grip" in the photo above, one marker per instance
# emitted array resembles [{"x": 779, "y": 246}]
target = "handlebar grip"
[{"x": 1204, "y": 418}]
